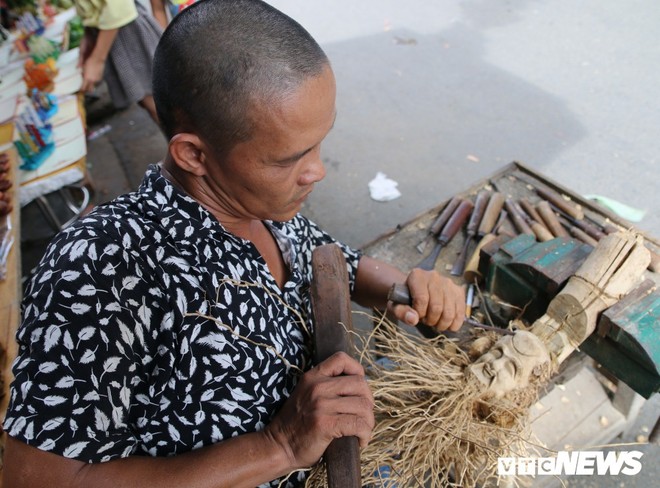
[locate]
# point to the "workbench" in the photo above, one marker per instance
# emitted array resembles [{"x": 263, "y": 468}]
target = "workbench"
[{"x": 587, "y": 406}]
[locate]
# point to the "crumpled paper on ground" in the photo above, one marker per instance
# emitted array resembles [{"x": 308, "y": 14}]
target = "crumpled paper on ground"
[{"x": 383, "y": 189}]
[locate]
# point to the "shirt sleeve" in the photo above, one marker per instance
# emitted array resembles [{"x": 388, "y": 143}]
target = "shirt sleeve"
[
  {"x": 106, "y": 14},
  {"x": 84, "y": 356},
  {"x": 117, "y": 13}
]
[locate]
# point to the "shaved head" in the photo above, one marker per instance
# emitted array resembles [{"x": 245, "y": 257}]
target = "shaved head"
[{"x": 220, "y": 58}]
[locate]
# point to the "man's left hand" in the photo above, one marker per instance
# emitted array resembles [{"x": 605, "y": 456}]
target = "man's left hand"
[{"x": 436, "y": 302}]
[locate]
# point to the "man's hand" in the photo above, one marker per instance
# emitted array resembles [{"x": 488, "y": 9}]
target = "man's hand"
[
  {"x": 331, "y": 400},
  {"x": 436, "y": 301}
]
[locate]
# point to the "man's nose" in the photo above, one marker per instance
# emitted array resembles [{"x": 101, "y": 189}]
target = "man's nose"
[{"x": 313, "y": 172}]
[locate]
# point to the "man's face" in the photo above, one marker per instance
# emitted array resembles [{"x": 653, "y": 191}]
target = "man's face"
[{"x": 270, "y": 175}]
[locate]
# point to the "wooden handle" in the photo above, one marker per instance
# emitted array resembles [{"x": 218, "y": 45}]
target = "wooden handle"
[
  {"x": 517, "y": 219},
  {"x": 478, "y": 212},
  {"x": 550, "y": 219},
  {"x": 444, "y": 215},
  {"x": 566, "y": 206},
  {"x": 591, "y": 229},
  {"x": 530, "y": 210},
  {"x": 471, "y": 272},
  {"x": 491, "y": 214},
  {"x": 331, "y": 307},
  {"x": 583, "y": 236},
  {"x": 527, "y": 212},
  {"x": 542, "y": 234},
  {"x": 456, "y": 221}
]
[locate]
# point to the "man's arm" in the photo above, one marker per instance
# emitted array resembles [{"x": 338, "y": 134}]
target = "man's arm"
[
  {"x": 437, "y": 301},
  {"x": 332, "y": 400},
  {"x": 241, "y": 461}
]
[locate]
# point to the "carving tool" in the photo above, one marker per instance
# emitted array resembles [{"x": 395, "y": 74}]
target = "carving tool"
[
  {"x": 517, "y": 219},
  {"x": 550, "y": 219},
  {"x": 568, "y": 206},
  {"x": 439, "y": 222},
  {"x": 475, "y": 219},
  {"x": 450, "y": 229},
  {"x": 400, "y": 293}
]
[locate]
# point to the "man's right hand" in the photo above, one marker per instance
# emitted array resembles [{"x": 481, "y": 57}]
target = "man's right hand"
[{"x": 331, "y": 400}]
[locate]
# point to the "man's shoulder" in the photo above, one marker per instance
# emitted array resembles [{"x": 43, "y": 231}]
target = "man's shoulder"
[{"x": 120, "y": 221}]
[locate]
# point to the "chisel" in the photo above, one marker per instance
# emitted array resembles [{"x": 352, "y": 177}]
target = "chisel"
[
  {"x": 475, "y": 219},
  {"x": 550, "y": 219},
  {"x": 439, "y": 223},
  {"x": 399, "y": 293},
  {"x": 487, "y": 225},
  {"x": 517, "y": 219},
  {"x": 450, "y": 229}
]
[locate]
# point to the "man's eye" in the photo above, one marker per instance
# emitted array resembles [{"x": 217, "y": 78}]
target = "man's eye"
[{"x": 288, "y": 162}]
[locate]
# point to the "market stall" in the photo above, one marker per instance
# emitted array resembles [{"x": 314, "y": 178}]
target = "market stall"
[{"x": 42, "y": 140}]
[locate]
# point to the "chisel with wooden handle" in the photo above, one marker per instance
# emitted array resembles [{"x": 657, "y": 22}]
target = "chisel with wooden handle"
[
  {"x": 400, "y": 293},
  {"x": 450, "y": 229},
  {"x": 472, "y": 273},
  {"x": 567, "y": 206},
  {"x": 550, "y": 219},
  {"x": 439, "y": 222},
  {"x": 331, "y": 307},
  {"x": 589, "y": 228},
  {"x": 577, "y": 232},
  {"x": 517, "y": 219},
  {"x": 491, "y": 215},
  {"x": 540, "y": 230},
  {"x": 530, "y": 210},
  {"x": 478, "y": 211}
]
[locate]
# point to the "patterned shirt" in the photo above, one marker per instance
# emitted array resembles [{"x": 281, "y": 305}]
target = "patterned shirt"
[{"x": 149, "y": 329}]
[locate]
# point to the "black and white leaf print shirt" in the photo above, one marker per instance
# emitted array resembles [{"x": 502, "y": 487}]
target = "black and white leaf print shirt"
[{"x": 149, "y": 329}]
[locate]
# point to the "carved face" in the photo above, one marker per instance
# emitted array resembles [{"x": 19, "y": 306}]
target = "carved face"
[{"x": 510, "y": 362}]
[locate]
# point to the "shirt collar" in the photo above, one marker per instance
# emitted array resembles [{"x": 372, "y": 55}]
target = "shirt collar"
[{"x": 182, "y": 215}]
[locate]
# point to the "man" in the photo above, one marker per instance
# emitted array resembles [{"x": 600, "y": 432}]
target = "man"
[{"x": 166, "y": 339}]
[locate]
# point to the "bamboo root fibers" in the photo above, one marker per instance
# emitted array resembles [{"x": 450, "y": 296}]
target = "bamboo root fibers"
[{"x": 433, "y": 425}]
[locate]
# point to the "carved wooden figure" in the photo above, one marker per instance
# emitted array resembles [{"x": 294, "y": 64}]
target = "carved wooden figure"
[{"x": 614, "y": 267}]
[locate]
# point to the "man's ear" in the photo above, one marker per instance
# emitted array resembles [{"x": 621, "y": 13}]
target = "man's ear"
[{"x": 187, "y": 152}]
